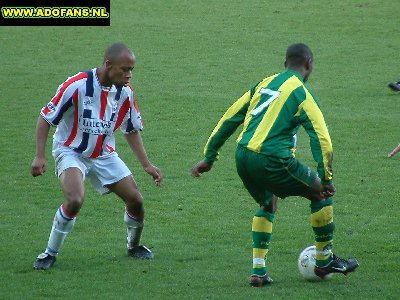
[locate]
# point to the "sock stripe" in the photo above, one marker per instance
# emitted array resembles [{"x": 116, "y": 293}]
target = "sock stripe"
[
  {"x": 323, "y": 226},
  {"x": 322, "y": 217},
  {"x": 132, "y": 216},
  {"x": 261, "y": 234},
  {"x": 65, "y": 214},
  {"x": 259, "y": 252},
  {"x": 258, "y": 262},
  {"x": 261, "y": 224}
]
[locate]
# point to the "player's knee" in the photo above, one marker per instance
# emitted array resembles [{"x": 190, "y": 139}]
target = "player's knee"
[
  {"x": 135, "y": 202},
  {"x": 73, "y": 202},
  {"x": 136, "y": 197}
]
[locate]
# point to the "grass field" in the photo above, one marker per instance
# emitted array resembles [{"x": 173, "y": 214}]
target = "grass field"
[{"x": 194, "y": 59}]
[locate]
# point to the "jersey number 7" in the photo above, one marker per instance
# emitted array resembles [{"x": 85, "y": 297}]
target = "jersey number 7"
[{"x": 273, "y": 95}]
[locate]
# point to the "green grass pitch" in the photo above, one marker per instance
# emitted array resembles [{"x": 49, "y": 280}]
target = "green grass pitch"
[{"x": 194, "y": 58}]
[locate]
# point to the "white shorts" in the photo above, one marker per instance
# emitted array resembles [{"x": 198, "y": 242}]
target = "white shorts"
[{"x": 101, "y": 171}]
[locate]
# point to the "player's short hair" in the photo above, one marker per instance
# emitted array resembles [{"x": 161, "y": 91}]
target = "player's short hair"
[
  {"x": 115, "y": 50},
  {"x": 298, "y": 54}
]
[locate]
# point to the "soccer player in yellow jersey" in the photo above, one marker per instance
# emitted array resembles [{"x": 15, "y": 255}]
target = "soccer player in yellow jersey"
[{"x": 271, "y": 113}]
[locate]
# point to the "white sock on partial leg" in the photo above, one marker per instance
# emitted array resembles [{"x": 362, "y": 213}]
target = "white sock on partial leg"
[
  {"x": 62, "y": 225},
  {"x": 134, "y": 230}
]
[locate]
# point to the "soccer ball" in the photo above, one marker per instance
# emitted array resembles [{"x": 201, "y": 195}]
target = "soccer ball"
[{"x": 306, "y": 264}]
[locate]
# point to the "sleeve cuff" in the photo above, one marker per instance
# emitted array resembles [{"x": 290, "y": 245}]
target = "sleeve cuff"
[
  {"x": 48, "y": 121},
  {"x": 209, "y": 160}
]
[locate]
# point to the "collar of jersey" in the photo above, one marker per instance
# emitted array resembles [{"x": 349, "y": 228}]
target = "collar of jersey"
[{"x": 291, "y": 72}]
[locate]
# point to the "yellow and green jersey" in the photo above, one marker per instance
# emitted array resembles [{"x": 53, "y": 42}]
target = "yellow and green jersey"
[{"x": 271, "y": 113}]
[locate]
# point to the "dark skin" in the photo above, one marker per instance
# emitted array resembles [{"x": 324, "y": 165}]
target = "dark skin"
[
  {"x": 316, "y": 192},
  {"x": 116, "y": 70}
]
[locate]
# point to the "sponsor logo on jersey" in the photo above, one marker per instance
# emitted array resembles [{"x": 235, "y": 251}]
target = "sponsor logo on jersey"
[{"x": 96, "y": 126}]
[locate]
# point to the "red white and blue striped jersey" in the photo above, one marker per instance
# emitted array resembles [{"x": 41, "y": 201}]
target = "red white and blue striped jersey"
[{"x": 87, "y": 114}]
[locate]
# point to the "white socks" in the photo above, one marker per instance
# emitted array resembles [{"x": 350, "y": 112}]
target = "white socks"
[
  {"x": 62, "y": 225},
  {"x": 134, "y": 230}
]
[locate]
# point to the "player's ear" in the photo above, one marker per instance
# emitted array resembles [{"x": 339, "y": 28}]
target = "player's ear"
[
  {"x": 285, "y": 64},
  {"x": 108, "y": 64},
  {"x": 308, "y": 64}
]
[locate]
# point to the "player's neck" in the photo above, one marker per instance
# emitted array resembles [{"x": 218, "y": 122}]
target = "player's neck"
[
  {"x": 103, "y": 78},
  {"x": 301, "y": 71}
]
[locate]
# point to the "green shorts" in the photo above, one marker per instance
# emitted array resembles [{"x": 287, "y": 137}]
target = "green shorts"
[{"x": 265, "y": 176}]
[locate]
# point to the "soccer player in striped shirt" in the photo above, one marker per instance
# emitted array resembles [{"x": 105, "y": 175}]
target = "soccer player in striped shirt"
[
  {"x": 87, "y": 109},
  {"x": 271, "y": 113}
]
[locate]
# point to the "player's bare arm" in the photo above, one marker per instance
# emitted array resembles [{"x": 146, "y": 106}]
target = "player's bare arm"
[
  {"x": 136, "y": 143},
  {"x": 39, "y": 164}
]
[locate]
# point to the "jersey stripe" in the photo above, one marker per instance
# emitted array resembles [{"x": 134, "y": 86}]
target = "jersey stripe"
[
  {"x": 129, "y": 125},
  {"x": 272, "y": 113},
  {"x": 100, "y": 139},
  {"x": 122, "y": 112},
  {"x": 99, "y": 145},
  {"x": 103, "y": 103},
  {"x": 89, "y": 84},
  {"x": 134, "y": 105},
  {"x": 61, "y": 112},
  {"x": 311, "y": 108},
  {"x": 254, "y": 96},
  {"x": 61, "y": 91},
  {"x": 75, "y": 122},
  {"x": 84, "y": 143},
  {"x": 230, "y": 113},
  {"x": 118, "y": 94}
]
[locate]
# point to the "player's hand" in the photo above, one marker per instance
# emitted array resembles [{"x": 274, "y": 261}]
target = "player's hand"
[
  {"x": 395, "y": 150},
  {"x": 328, "y": 190},
  {"x": 39, "y": 166},
  {"x": 155, "y": 173},
  {"x": 200, "y": 168}
]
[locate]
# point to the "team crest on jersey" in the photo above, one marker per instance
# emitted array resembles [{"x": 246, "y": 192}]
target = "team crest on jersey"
[
  {"x": 51, "y": 106},
  {"x": 115, "y": 107}
]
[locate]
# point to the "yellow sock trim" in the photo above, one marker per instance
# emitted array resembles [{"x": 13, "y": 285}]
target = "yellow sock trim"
[
  {"x": 259, "y": 256},
  {"x": 261, "y": 224},
  {"x": 259, "y": 253},
  {"x": 322, "y": 217},
  {"x": 321, "y": 254}
]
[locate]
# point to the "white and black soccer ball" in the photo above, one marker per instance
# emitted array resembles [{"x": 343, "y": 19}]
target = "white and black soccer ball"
[{"x": 306, "y": 264}]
